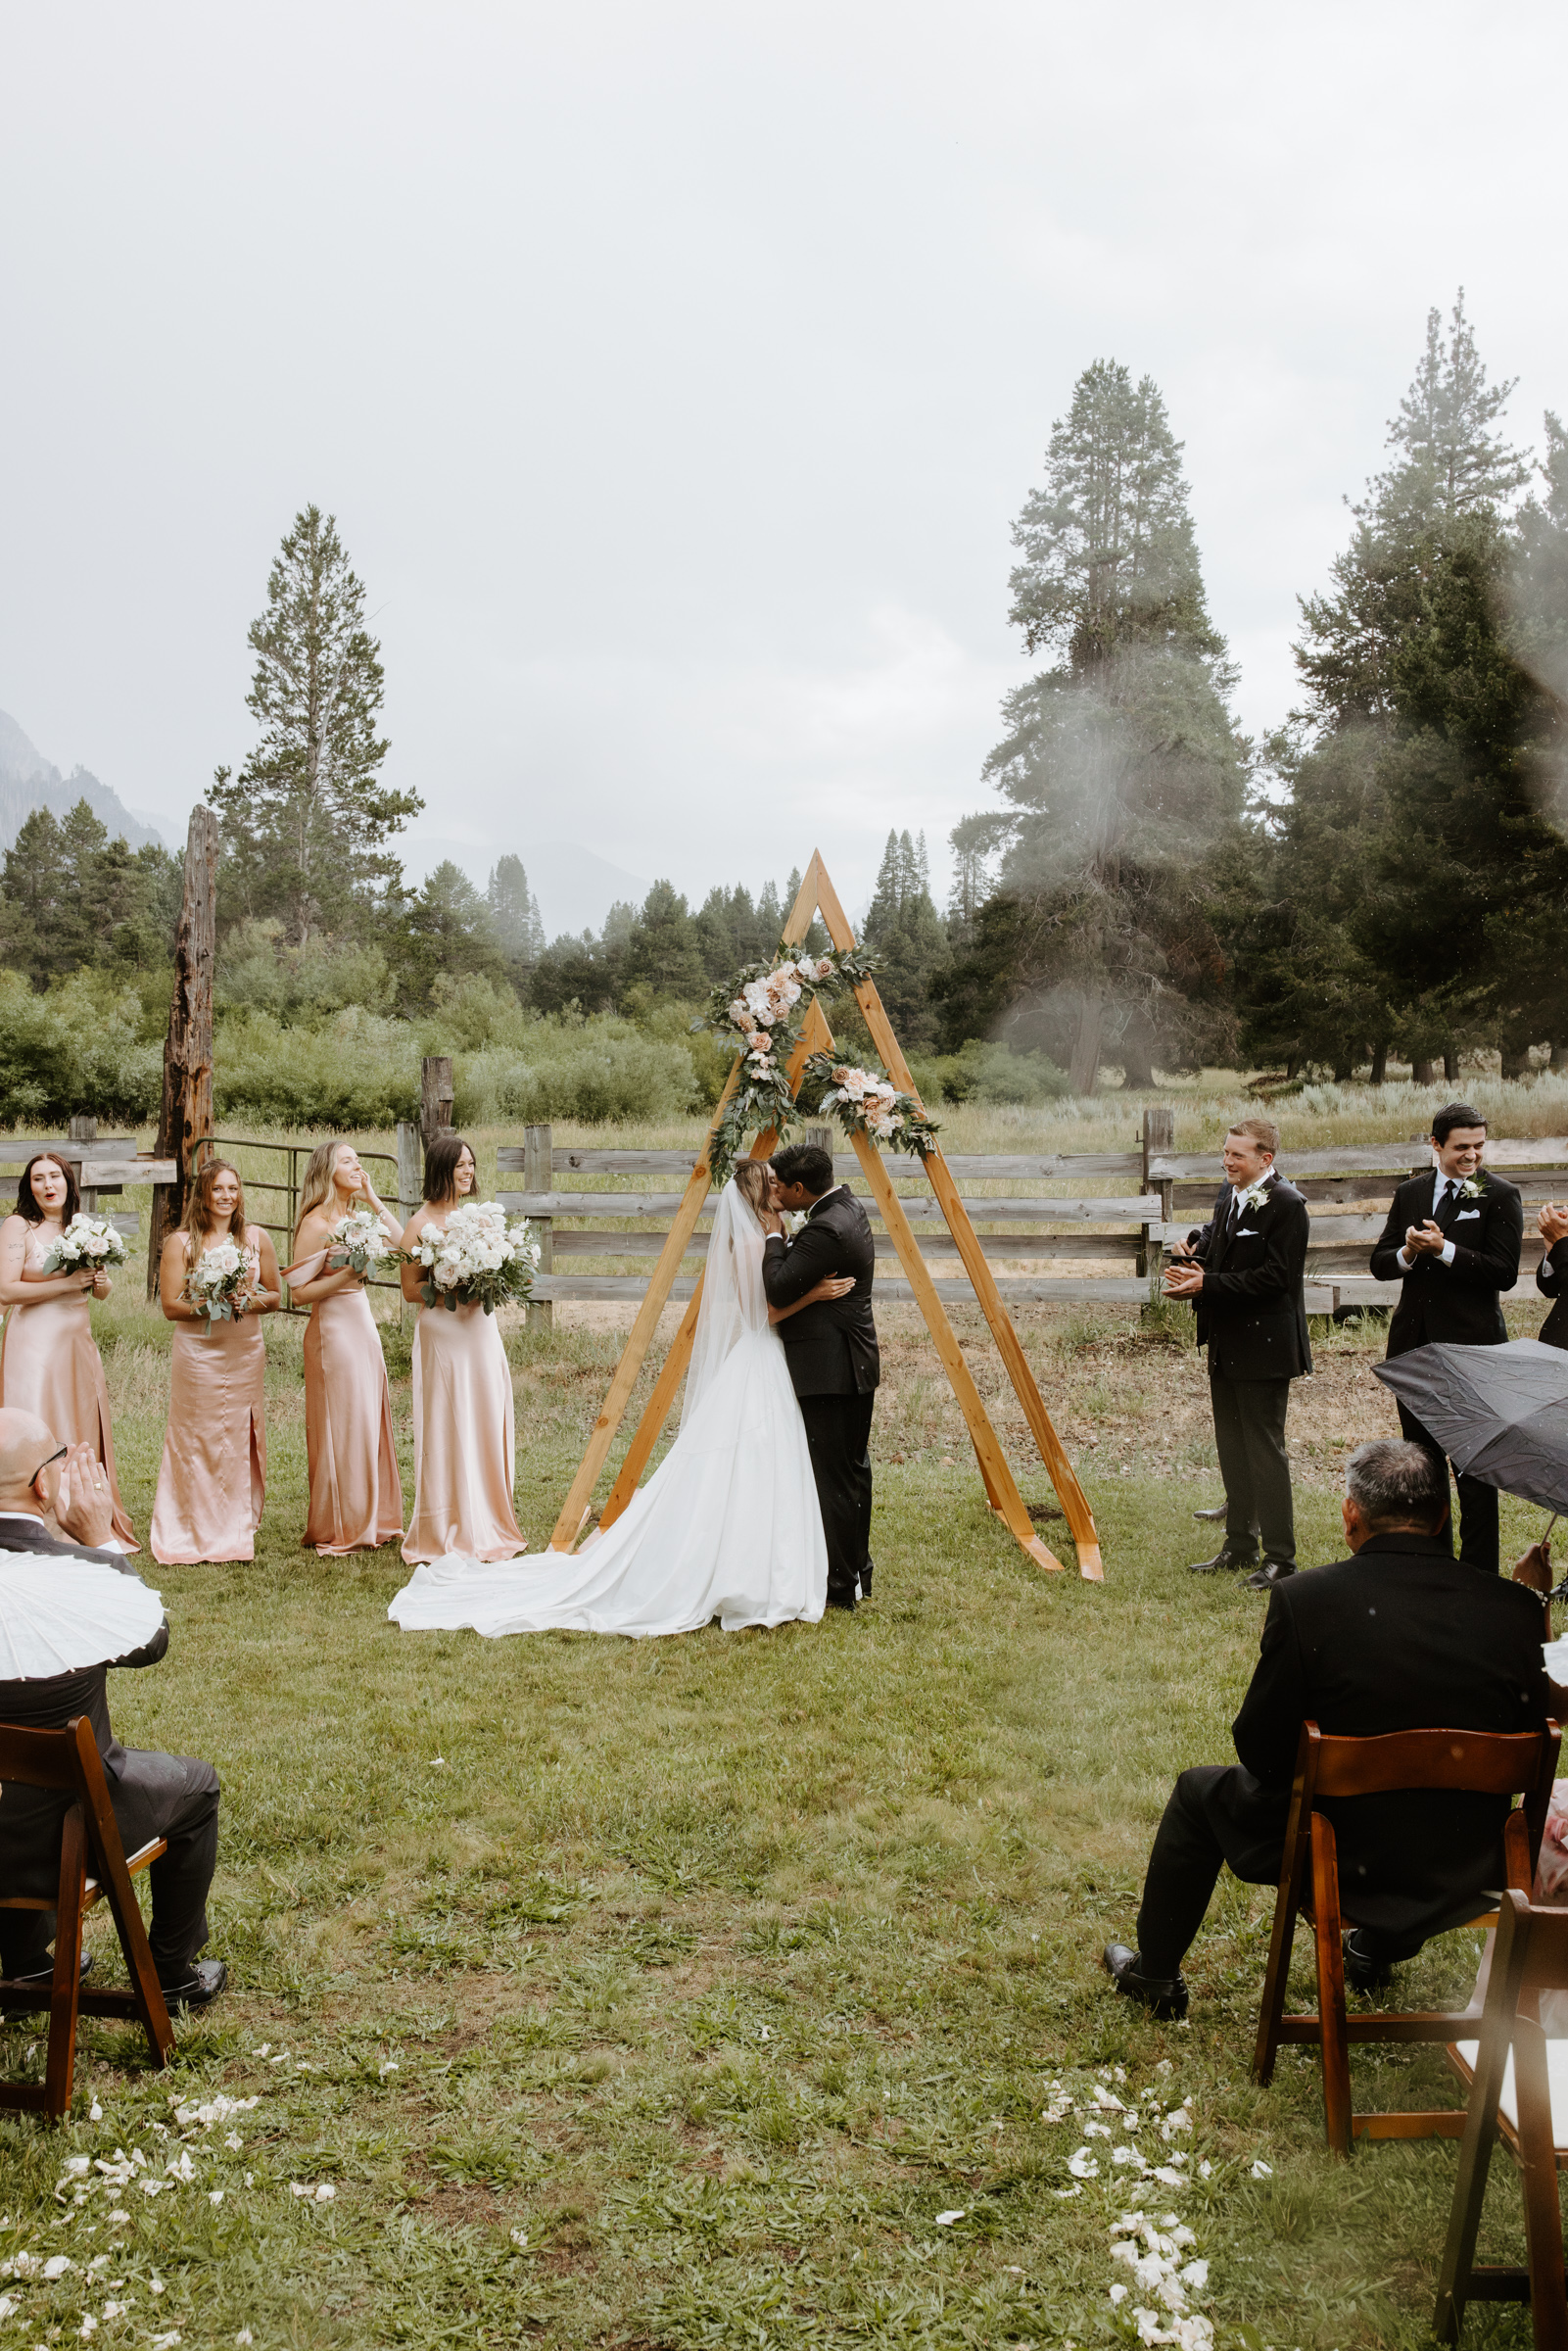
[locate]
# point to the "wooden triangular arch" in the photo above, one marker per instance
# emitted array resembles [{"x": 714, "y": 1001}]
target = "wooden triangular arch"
[{"x": 817, "y": 894}]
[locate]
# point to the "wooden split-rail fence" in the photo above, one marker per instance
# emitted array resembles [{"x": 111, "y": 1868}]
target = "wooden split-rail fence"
[
  {"x": 105, "y": 1167},
  {"x": 1040, "y": 1216}
]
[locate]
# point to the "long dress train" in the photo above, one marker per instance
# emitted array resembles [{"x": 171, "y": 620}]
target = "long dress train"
[
  {"x": 729, "y": 1524},
  {"x": 212, "y": 1482},
  {"x": 464, "y": 1440},
  {"x": 50, "y": 1365},
  {"x": 355, "y": 1497}
]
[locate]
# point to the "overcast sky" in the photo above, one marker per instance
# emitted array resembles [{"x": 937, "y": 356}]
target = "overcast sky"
[{"x": 674, "y": 372}]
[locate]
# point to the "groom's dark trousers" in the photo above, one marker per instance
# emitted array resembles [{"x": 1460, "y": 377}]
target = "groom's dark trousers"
[{"x": 830, "y": 1349}]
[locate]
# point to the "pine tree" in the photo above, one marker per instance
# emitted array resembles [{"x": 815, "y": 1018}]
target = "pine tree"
[
  {"x": 904, "y": 931},
  {"x": 306, "y": 822},
  {"x": 1120, "y": 766},
  {"x": 662, "y": 953},
  {"x": 71, "y": 898},
  {"x": 515, "y": 913}
]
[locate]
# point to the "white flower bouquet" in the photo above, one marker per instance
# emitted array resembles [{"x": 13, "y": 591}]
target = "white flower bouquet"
[
  {"x": 87, "y": 1244},
  {"x": 360, "y": 1240},
  {"x": 219, "y": 1284},
  {"x": 476, "y": 1258}
]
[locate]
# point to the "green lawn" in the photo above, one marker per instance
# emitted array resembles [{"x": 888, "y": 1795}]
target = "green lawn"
[{"x": 666, "y": 1993}]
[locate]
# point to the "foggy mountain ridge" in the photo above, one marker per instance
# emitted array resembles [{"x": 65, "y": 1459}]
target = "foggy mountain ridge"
[{"x": 28, "y": 780}]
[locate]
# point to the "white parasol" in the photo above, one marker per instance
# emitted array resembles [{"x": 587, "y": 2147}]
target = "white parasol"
[{"x": 59, "y": 1615}]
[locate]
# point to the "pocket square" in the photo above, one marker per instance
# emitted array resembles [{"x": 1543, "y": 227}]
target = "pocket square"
[
  {"x": 1466, "y": 1212},
  {"x": 1248, "y": 1232}
]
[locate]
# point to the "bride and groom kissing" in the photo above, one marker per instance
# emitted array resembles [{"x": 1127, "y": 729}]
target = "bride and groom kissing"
[{"x": 760, "y": 1511}]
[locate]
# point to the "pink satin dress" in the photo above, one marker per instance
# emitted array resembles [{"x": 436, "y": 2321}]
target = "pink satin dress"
[
  {"x": 50, "y": 1365},
  {"x": 355, "y": 1494},
  {"x": 212, "y": 1478},
  {"x": 464, "y": 1440}
]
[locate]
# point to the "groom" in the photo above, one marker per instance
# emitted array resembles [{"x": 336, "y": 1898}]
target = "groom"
[{"x": 830, "y": 1349}]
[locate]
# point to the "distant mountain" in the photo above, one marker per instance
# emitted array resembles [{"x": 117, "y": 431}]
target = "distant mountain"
[
  {"x": 28, "y": 780},
  {"x": 574, "y": 889}
]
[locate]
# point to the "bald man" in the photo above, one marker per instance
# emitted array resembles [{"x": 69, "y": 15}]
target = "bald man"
[{"x": 44, "y": 1486}]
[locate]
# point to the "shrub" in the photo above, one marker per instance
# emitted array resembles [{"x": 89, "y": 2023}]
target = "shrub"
[
  {"x": 257, "y": 973},
  {"x": 592, "y": 1072},
  {"x": 354, "y": 1070},
  {"x": 990, "y": 1074},
  {"x": 77, "y": 1049}
]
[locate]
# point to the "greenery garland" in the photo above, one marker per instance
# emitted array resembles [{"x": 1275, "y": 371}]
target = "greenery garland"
[
  {"x": 759, "y": 1014},
  {"x": 864, "y": 1103}
]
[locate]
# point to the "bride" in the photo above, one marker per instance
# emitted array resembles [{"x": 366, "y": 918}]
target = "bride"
[{"x": 727, "y": 1525}]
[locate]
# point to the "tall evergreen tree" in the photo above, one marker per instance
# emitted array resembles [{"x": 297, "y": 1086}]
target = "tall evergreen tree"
[
  {"x": 905, "y": 932},
  {"x": 306, "y": 822},
  {"x": 1121, "y": 767},
  {"x": 70, "y": 897},
  {"x": 515, "y": 913}
]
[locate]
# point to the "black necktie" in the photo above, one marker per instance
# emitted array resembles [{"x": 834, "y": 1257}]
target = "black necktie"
[{"x": 1447, "y": 1202}]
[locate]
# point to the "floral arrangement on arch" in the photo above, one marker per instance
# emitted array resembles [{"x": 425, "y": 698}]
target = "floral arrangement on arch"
[
  {"x": 864, "y": 1103},
  {"x": 759, "y": 1011}
]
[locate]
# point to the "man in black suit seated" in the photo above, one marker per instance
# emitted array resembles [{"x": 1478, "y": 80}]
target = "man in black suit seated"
[
  {"x": 830, "y": 1349},
  {"x": 173, "y": 1797},
  {"x": 1453, "y": 1237},
  {"x": 1552, "y": 1274},
  {"x": 1399, "y": 1637},
  {"x": 1242, "y": 1271}
]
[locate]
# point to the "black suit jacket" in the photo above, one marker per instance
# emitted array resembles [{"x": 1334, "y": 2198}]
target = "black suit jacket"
[
  {"x": 830, "y": 1347},
  {"x": 31, "y": 1817},
  {"x": 1252, "y": 1316},
  {"x": 1403, "y": 1637},
  {"x": 1551, "y": 1282},
  {"x": 1456, "y": 1303}
]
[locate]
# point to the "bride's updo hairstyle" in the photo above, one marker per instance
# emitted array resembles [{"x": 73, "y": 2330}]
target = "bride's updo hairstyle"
[
  {"x": 441, "y": 1169},
  {"x": 751, "y": 1182}
]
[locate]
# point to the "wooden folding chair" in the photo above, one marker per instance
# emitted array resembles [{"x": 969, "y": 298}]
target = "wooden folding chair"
[
  {"x": 1475, "y": 1762},
  {"x": 1518, "y": 2084},
  {"x": 69, "y": 1761}
]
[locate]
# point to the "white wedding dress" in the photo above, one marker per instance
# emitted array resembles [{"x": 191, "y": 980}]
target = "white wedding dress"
[{"x": 727, "y": 1525}]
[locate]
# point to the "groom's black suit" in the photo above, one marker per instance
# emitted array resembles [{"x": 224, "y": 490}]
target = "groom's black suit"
[{"x": 830, "y": 1349}]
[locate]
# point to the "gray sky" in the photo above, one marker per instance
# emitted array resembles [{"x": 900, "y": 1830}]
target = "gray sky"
[{"x": 675, "y": 370}]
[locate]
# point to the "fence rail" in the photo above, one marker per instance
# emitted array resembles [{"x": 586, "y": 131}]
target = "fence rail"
[{"x": 607, "y": 1226}]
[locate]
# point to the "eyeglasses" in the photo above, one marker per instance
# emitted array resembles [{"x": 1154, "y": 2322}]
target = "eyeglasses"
[{"x": 58, "y": 1454}]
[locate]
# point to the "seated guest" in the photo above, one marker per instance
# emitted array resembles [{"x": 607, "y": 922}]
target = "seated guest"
[
  {"x": 173, "y": 1797},
  {"x": 1402, "y": 1636},
  {"x": 1551, "y": 1222}
]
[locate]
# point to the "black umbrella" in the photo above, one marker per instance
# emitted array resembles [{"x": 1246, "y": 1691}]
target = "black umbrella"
[{"x": 1500, "y": 1413}]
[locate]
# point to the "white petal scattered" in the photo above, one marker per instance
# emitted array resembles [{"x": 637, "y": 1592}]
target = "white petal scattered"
[
  {"x": 95, "y": 2113},
  {"x": 945, "y": 2220},
  {"x": 215, "y": 2195},
  {"x": 1118, "y": 2293},
  {"x": 56, "y": 2266},
  {"x": 1082, "y": 2165},
  {"x": 1261, "y": 2170}
]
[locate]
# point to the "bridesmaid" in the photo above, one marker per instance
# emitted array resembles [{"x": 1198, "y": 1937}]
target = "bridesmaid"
[
  {"x": 212, "y": 1478},
  {"x": 48, "y": 1362},
  {"x": 464, "y": 1444},
  {"x": 355, "y": 1496}
]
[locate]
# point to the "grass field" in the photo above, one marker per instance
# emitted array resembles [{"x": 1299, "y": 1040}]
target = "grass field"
[{"x": 666, "y": 1994}]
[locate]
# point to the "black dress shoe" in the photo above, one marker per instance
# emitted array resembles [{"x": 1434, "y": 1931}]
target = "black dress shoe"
[
  {"x": 865, "y": 1579},
  {"x": 204, "y": 1982},
  {"x": 1214, "y": 1518},
  {"x": 1363, "y": 1973},
  {"x": 40, "y": 1980},
  {"x": 1272, "y": 1572},
  {"x": 841, "y": 1595},
  {"x": 1165, "y": 1997},
  {"x": 1229, "y": 1561}
]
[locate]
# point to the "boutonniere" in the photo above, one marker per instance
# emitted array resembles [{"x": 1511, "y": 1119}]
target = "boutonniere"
[
  {"x": 1255, "y": 1196},
  {"x": 1473, "y": 1186}
]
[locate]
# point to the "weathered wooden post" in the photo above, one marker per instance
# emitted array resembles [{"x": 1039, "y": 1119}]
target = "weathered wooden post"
[
  {"x": 538, "y": 1170},
  {"x": 435, "y": 1095},
  {"x": 410, "y": 1186},
  {"x": 83, "y": 1130},
  {"x": 1159, "y": 1142},
  {"x": 186, "y": 1110}
]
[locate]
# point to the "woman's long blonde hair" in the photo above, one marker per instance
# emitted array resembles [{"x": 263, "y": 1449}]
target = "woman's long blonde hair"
[
  {"x": 198, "y": 1218},
  {"x": 317, "y": 1185},
  {"x": 751, "y": 1182}
]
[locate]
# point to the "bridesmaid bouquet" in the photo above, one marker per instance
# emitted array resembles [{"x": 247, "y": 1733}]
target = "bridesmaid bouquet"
[
  {"x": 360, "y": 1239},
  {"x": 219, "y": 1285},
  {"x": 477, "y": 1259},
  {"x": 87, "y": 1244}
]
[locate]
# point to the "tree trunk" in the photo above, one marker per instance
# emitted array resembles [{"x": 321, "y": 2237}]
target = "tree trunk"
[
  {"x": 1086, "y": 1044},
  {"x": 185, "y": 1113},
  {"x": 1559, "y": 1056},
  {"x": 1380, "y": 1064},
  {"x": 1516, "y": 1060},
  {"x": 1344, "y": 1072},
  {"x": 1137, "y": 1065},
  {"x": 1293, "y": 1065},
  {"x": 1423, "y": 1072},
  {"x": 1451, "y": 1067}
]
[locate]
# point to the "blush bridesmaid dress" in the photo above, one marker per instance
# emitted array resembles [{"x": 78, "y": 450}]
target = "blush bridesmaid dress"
[
  {"x": 355, "y": 1494},
  {"x": 50, "y": 1365},
  {"x": 464, "y": 1440},
  {"x": 212, "y": 1478}
]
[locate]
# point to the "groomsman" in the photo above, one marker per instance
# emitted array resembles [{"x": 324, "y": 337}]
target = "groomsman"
[
  {"x": 1242, "y": 1271},
  {"x": 1453, "y": 1236}
]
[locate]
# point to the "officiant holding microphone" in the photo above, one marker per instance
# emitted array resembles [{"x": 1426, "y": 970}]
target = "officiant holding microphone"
[
  {"x": 1454, "y": 1238},
  {"x": 1243, "y": 1272}
]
